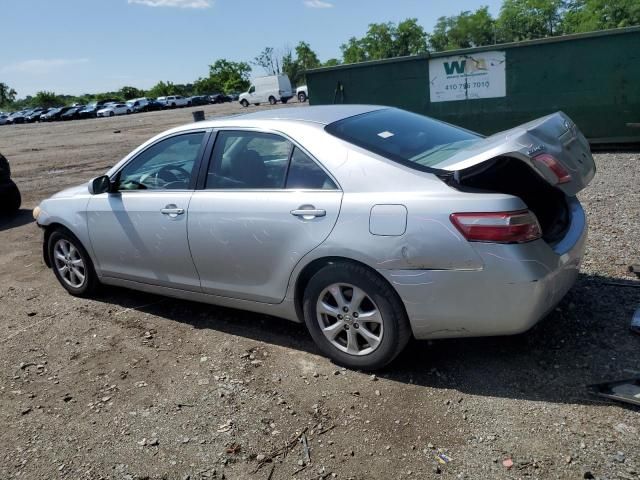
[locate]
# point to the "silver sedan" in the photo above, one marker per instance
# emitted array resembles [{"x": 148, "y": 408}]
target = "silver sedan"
[{"x": 369, "y": 224}]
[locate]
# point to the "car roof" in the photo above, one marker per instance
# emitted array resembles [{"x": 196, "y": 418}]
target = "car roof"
[{"x": 323, "y": 114}]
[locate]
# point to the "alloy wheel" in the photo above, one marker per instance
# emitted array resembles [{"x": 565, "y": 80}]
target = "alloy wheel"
[
  {"x": 349, "y": 319},
  {"x": 69, "y": 263}
]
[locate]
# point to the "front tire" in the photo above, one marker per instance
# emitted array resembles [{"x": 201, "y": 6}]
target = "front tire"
[
  {"x": 244, "y": 103},
  {"x": 71, "y": 264},
  {"x": 355, "y": 317},
  {"x": 112, "y": 114},
  {"x": 302, "y": 97}
]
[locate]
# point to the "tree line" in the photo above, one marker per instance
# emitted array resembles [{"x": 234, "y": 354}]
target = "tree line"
[{"x": 517, "y": 20}]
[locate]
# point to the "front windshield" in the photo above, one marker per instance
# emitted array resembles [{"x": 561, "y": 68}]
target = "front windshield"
[{"x": 408, "y": 138}]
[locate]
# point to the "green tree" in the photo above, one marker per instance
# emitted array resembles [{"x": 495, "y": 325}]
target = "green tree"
[
  {"x": 468, "y": 29},
  {"x": 529, "y": 19},
  {"x": 410, "y": 38},
  {"x": 7, "y": 94},
  {"x": 386, "y": 40},
  {"x": 230, "y": 76},
  {"x": 162, "y": 89},
  {"x": 131, "y": 92},
  {"x": 353, "y": 51},
  {"x": 332, "y": 62},
  {"x": 589, "y": 15},
  {"x": 46, "y": 99},
  {"x": 305, "y": 59}
]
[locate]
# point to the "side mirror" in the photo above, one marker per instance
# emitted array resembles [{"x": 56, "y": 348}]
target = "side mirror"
[{"x": 100, "y": 185}]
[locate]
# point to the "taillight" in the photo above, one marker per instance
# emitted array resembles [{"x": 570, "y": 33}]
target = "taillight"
[
  {"x": 556, "y": 167},
  {"x": 498, "y": 227}
]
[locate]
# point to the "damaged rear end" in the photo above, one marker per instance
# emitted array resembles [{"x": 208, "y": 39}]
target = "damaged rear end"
[{"x": 545, "y": 163}]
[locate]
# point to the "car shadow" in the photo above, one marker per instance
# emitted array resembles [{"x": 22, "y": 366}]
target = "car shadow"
[
  {"x": 20, "y": 218},
  {"x": 585, "y": 340}
]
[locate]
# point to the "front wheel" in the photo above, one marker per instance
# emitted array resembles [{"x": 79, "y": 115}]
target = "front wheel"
[
  {"x": 302, "y": 97},
  {"x": 244, "y": 103},
  {"x": 111, "y": 114},
  {"x": 71, "y": 264},
  {"x": 355, "y": 317}
]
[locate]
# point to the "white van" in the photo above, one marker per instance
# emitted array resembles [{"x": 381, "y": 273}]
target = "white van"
[{"x": 272, "y": 89}]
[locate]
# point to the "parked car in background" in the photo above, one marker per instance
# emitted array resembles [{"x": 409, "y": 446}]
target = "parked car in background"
[
  {"x": 234, "y": 96},
  {"x": 448, "y": 234},
  {"x": 10, "y": 199},
  {"x": 90, "y": 111},
  {"x": 34, "y": 115},
  {"x": 219, "y": 98},
  {"x": 150, "y": 106},
  {"x": 5, "y": 119},
  {"x": 54, "y": 114},
  {"x": 73, "y": 113},
  {"x": 114, "y": 109},
  {"x": 302, "y": 93},
  {"x": 17, "y": 117},
  {"x": 173, "y": 101},
  {"x": 136, "y": 104},
  {"x": 199, "y": 100},
  {"x": 272, "y": 89}
]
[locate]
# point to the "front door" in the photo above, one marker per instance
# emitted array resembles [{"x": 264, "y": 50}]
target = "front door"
[
  {"x": 265, "y": 205},
  {"x": 139, "y": 231}
]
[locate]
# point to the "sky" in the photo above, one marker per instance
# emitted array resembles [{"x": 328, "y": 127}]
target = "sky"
[{"x": 86, "y": 46}]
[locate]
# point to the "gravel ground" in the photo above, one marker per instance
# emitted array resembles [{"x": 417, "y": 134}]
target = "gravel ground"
[{"x": 130, "y": 385}]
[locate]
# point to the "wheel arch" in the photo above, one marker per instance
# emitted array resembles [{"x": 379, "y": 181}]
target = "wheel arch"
[
  {"x": 48, "y": 231},
  {"x": 313, "y": 267}
]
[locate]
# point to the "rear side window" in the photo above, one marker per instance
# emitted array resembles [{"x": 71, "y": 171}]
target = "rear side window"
[
  {"x": 248, "y": 160},
  {"x": 408, "y": 138},
  {"x": 304, "y": 173}
]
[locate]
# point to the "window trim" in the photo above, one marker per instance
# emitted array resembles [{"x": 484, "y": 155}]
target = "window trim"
[
  {"x": 207, "y": 159},
  {"x": 193, "y": 182}
]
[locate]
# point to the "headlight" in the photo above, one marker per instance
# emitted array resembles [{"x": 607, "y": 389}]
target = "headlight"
[{"x": 36, "y": 213}]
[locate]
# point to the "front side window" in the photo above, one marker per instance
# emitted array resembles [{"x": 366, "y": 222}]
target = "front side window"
[
  {"x": 248, "y": 160},
  {"x": 252, "y": 89},
  {"x": 166, "y": 165}
]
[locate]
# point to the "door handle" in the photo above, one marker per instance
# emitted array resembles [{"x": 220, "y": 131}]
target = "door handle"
[
  {"x": 308, "y": 213},
  {"x": 172, "y": 210}
]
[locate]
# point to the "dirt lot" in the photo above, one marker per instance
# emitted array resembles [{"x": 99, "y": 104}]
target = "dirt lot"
[{"x": 130, "y": 385}]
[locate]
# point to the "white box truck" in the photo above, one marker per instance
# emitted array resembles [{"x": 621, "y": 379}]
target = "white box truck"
[{"x": 272, "y": 89}]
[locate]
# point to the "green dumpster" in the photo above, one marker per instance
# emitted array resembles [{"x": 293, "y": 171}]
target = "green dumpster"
[{"x": 593, "y": 77}]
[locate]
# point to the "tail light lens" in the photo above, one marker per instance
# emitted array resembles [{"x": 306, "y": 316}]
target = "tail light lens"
[
  {"x": 498, "y": 227},
  {"x": 555, "y": 166}
]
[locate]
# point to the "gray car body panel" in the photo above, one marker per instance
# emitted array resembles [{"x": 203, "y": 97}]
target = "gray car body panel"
[{"x": 450, "y": 287}]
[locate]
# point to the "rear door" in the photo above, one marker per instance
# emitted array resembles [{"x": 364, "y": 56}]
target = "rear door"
[{"x": 265, "y": 204}]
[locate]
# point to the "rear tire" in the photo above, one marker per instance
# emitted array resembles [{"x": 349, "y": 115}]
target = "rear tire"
[
  {"x": 11, "y": 202},
  {"x": 75, "y": 270},
  {"x": 272, "y": 100},
  {"x": 377, "y": 329}
]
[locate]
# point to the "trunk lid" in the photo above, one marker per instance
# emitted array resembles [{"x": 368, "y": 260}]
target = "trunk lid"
[{"x": 555, "y": 135}]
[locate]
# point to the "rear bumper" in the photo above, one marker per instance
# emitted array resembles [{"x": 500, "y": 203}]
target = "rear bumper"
[{"x": 517, "y": 286}]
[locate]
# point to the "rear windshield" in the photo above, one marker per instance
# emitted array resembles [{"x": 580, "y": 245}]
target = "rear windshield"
[{"x": 408, "y": 138}]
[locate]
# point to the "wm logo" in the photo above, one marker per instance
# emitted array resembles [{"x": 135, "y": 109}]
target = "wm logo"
[{"x": 455, "y": 67}]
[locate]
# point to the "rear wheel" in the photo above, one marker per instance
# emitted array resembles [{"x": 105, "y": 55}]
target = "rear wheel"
[
  {"x": 272, "y": 100},
  {"x": 244, "y": 103},
  {"x": 71, "y": 264},
  {"x": 355, "y": 317}
]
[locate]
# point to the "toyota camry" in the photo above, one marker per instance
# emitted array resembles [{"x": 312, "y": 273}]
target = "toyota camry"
[{"x": 369, "y": 224}]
